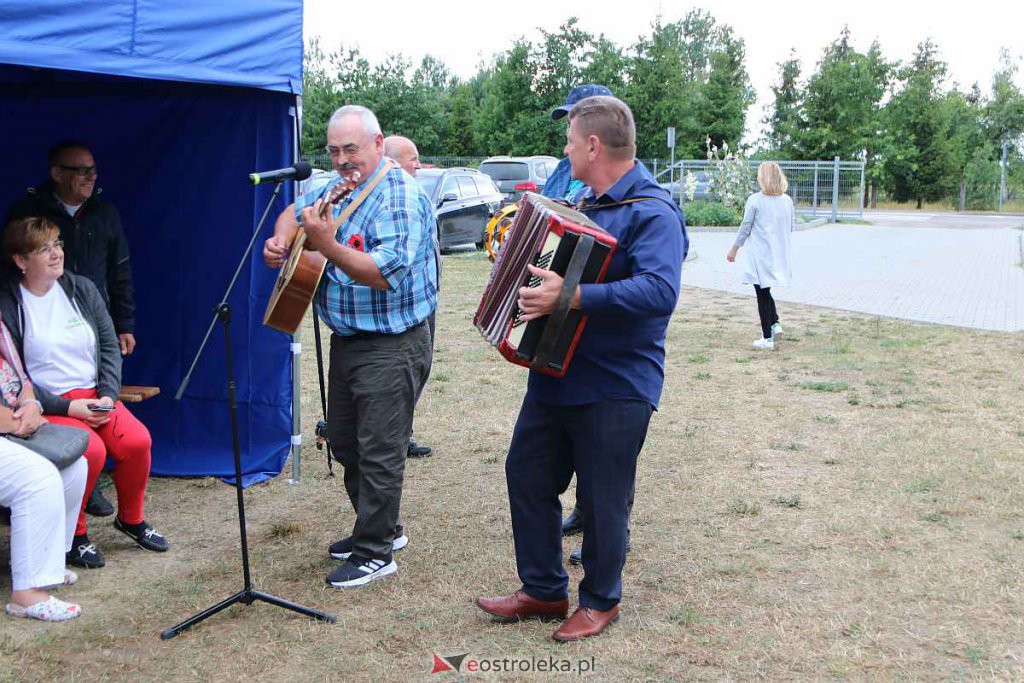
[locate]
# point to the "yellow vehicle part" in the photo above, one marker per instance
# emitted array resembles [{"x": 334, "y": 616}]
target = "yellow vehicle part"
[{"x": 497, "y": 227}]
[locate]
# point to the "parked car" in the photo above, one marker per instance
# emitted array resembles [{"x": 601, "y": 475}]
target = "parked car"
[
  {"x": 463, "y": 199},
  {"x": 702, "y": 191},
  {"x": 516, "y": 175}
]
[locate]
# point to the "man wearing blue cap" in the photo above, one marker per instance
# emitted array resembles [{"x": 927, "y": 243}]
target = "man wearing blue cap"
[{"x": 560, "y": 184}]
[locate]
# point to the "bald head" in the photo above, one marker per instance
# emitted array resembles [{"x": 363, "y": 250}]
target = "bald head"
[{"x": 402, "y": 150}]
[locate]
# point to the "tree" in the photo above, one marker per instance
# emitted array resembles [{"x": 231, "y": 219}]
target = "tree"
[
  {"x": 920, "y": 164},
  {"x": 691, "y": 75},
  {"x": 510, "y": 118},
  {"x": 842, "y": 101},
  {"x": 460, "y": 140},
  {"x": 605, "y": 65},
  {"x": 784, "y": 121},
  {"x": 726, "y": 94}
]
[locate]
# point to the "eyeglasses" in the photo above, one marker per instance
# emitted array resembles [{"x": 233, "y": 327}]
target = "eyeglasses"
[
  {"x": 83, "y": 171},
  {"x": 51, "y": 248},
  {"x": 348, "y": 150}
]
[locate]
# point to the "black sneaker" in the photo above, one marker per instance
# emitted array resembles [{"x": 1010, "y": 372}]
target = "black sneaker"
[
  {"x": 341, "y": 550},
  {"x": 144, "y": 535},
  {"x": 576, "y": 556},
  {"x": 84, "y": 554},
  {"x": 418, "y": 451},
  {"x": 359, "y": 571},
  {"x": 98, "y": 505}
]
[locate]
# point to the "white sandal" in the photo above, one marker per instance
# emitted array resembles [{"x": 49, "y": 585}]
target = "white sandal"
[{"x": 47, "y": 610}]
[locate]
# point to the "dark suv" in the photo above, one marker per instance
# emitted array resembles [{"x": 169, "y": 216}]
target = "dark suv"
[
  {"x": 464, "y": 200},
  {"x": 516, "y": 175}
]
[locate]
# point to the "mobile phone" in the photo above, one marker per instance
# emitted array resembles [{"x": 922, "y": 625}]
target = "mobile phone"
[{"x": 98, "y": 408}]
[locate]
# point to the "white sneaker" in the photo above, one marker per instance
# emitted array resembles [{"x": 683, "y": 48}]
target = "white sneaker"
[
  {"x": 764, "y": 345},
  {"x": 777, "y": 330},
  {"x": 359, "y": 572}
]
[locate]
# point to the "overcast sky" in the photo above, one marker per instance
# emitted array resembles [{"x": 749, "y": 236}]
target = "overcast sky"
[{"x": 462, "y": 33}]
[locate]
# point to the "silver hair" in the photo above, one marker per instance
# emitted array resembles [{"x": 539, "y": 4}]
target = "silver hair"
[{"x": 366, "y": 117}]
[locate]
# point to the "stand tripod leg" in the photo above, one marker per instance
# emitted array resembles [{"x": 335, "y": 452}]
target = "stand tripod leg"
[
  {"x": 247, "y": 595},
  {"x": 280, "y": 602},
  {"x": 208, "y": 612}
]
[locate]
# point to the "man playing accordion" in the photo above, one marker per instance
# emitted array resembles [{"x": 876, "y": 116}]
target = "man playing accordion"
[{"x": 594, "y": 420}]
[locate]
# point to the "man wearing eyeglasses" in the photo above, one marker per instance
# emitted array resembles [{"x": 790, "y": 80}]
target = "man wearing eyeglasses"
[
  {"x": 94, "y": 245},
  {"x": 94, "y": 241},
  {"x": 377, "y": 291}
]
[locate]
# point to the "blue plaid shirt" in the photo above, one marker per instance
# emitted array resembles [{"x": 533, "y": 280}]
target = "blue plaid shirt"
[{"x": 396, "y": 223}]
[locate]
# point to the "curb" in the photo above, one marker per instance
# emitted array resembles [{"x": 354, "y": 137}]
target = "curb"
[{"x": 817, "y": 222}]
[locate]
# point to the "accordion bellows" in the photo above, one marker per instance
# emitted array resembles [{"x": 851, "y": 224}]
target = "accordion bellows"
[{"x": 555, "y": 237}]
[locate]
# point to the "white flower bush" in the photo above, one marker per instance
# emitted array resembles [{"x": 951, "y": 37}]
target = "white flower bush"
[{"x": 730, "y": 175}]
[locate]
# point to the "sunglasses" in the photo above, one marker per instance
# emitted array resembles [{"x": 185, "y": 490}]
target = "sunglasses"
[{"x": 83, "y": 171}]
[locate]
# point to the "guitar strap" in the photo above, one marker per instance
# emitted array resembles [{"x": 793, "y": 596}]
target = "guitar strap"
[
  {"x": 321, "y": 425},
  {"x": 370, "y": 185}
]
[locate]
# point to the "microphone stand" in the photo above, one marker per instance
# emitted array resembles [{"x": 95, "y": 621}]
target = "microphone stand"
[{"x": 247, "y": 595}]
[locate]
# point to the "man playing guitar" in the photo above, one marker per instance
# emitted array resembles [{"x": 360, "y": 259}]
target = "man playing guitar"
[{"x": 378, "y": 289}]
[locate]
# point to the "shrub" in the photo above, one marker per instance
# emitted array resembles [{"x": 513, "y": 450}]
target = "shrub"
[{"x": 710, "y": 214}]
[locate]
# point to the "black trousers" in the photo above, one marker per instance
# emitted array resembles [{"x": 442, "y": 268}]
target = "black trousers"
[
  {"x": 600, "y": 442},
  {"x": 766, "y": 310},
  {"x": 373, "y": 383}
]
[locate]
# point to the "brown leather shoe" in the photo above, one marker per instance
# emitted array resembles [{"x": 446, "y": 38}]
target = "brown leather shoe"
[
  {"x": 585, "y": 622},
  {"x": 519, "y": 605}
]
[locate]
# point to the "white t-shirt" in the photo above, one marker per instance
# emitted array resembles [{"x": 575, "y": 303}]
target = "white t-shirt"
[{"x": 60, "y": 346}]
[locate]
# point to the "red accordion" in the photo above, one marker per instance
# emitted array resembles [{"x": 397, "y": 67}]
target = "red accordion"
[{"x": 552, "y": 236}]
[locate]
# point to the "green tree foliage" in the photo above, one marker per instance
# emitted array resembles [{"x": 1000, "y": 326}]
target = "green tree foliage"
[
  {"x": 842, "y": 101},
  {"x": 784, "y": 122},
  {"x": 691, "y": 75},
  {"x": 920, "y": 163}
]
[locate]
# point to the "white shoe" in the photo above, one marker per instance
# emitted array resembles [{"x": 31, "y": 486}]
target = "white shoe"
[
  {"x": 777, "y": 330},
  {"x": 764, "y": 345},
  {"x": 50, "y": 609}
]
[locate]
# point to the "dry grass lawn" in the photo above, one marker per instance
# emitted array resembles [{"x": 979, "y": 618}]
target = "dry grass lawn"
[{"x": 849, "y": 506}]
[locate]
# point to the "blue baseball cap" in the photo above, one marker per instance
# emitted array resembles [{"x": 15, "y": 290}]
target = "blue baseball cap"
[{"x": 580, "y": 92}]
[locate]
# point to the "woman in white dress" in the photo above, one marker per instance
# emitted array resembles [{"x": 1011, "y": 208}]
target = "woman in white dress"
[
  {"x": 44, "y": 502},
  {"x": 768, "y": 219}
]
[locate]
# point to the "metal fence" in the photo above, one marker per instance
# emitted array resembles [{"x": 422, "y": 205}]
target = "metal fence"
[{"x": 832, "y": 189}]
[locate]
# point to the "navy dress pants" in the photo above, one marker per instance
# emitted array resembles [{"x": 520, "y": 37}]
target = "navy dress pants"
[{"x": 600, "y": 442}]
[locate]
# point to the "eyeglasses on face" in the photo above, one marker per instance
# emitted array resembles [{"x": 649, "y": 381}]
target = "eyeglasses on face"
[
  {"x": 83, "y": 171},
  {"x": 348, "y": 150},
  {"x": 50, "y": 249}
]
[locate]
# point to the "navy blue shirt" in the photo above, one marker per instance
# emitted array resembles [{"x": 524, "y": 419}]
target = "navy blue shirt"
[{"x": 621, "y": 353}]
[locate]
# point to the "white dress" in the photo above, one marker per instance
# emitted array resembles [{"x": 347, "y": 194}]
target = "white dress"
[{"x": 766, "y": 227}]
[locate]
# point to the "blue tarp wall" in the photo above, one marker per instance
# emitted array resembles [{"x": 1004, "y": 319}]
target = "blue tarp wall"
[{"x": 179, "y": 102}]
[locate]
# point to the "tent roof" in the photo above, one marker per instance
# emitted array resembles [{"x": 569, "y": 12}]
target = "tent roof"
[{"x": 255, "y": 43}]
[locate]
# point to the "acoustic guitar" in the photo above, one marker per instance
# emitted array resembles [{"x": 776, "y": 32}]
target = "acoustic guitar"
[{"x": 301, "y": 273}]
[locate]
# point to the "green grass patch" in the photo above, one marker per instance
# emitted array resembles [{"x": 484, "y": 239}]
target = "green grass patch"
[
  {"x": 744, "y": 508},
  {"x": 828, "y": 387}
]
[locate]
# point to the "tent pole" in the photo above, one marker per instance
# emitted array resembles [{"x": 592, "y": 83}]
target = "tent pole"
[
  {"x": 296, "y": 407},
  {"x": 295, "y": 112}
]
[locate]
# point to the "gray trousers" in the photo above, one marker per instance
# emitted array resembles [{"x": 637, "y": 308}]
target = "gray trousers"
[{"x": 373, "y": 383}]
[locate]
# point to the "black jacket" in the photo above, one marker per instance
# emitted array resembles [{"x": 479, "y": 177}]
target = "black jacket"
[
  {"x": 94, "y": 246},
  {"x": 86, "y": 298}
]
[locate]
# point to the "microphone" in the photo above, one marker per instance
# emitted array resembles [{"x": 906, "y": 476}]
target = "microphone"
[{"x": 300, "y": 171}]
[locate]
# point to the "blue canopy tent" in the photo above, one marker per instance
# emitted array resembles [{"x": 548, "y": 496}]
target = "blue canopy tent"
[{"x": 179, "y": 102}]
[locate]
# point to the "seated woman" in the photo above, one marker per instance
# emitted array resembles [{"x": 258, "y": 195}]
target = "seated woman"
[
  {"x": 60, "y": 326},
  {"x": 44, "y": 503}
]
